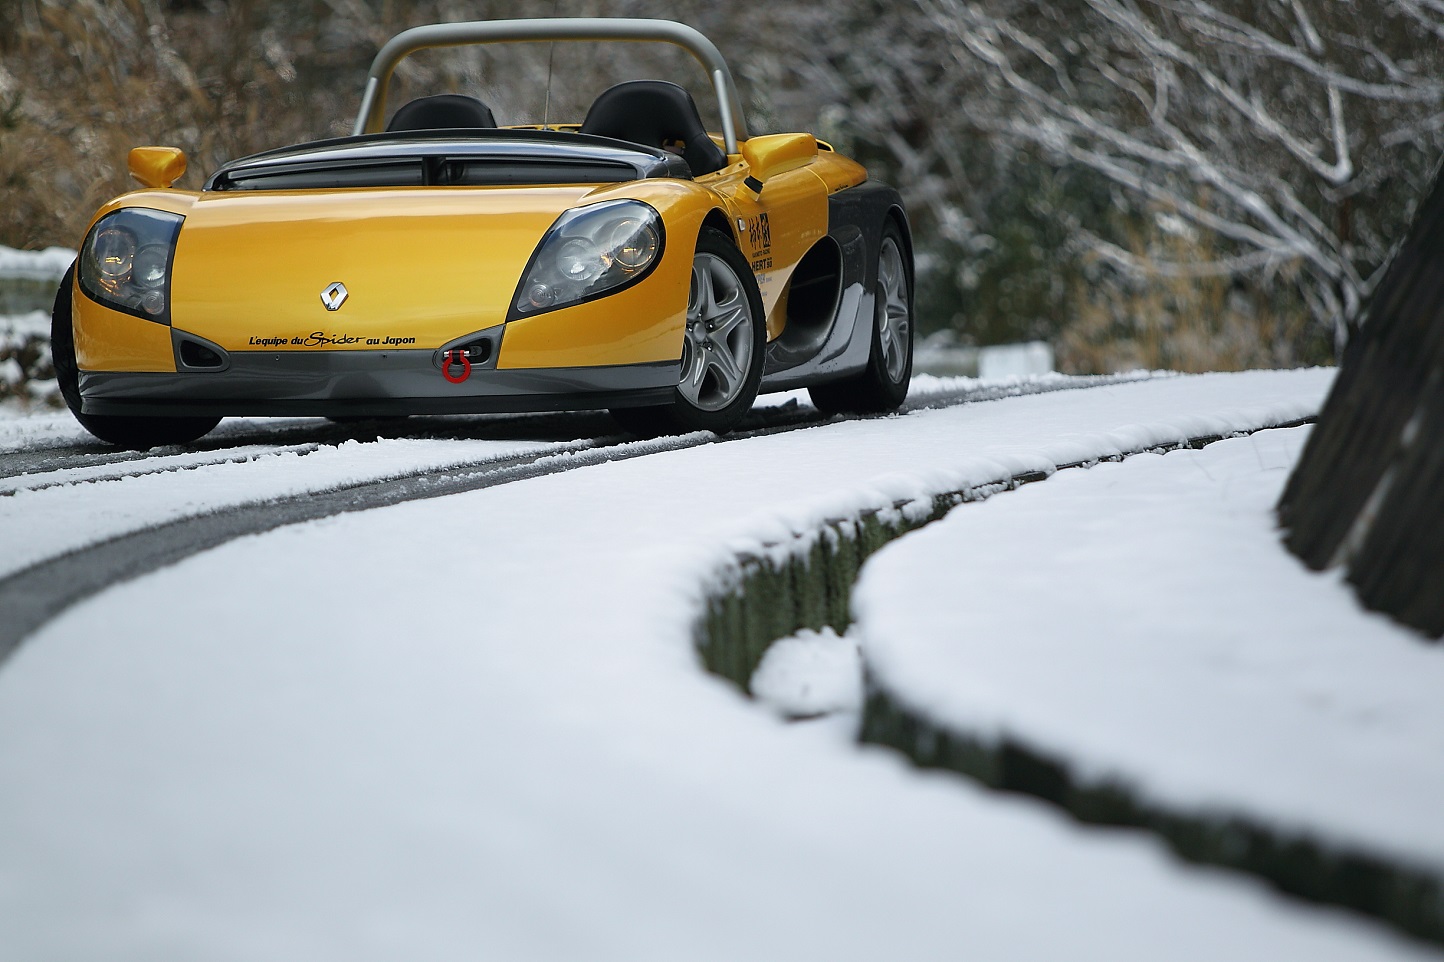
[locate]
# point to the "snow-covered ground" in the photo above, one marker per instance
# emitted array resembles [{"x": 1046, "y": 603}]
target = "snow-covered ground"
[
  {"x": 475, "y": 728},
  {"x": 24, "y": 352},
  {"x": 47, "y": 264},
  {"x": 48, "y": 521},
  {"x": 24, "y": 426},
  {"x": 1164, "y": 641},
  {"x": 27, "y": 281},
  {"x": 17, "y": 327}
]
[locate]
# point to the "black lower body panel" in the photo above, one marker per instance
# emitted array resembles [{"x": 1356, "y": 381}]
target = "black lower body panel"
[{"x": 368, "y": 384}]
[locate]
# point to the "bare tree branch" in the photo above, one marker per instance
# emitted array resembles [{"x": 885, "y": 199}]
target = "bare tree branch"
[{"x": 1259, "y": 123}]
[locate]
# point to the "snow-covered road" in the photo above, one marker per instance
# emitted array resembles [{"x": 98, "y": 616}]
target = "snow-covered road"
[
  {"x": 474, "y": 727},
  {"x": 134, "y": 511}
]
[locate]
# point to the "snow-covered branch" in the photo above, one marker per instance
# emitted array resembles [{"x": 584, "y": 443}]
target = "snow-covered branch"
[{"x": 1259, "y": 123}]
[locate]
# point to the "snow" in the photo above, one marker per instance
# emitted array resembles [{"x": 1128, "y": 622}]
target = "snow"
[
  {"x": 925, "y": 387},
  {"x": 24, "y": 336},
  {"x": 811, "y": 673},
  {"x": 1159, "y": 636},
  {"x": 154, "y": 464},
  {"x": 474, "y": 727},
  {"x": 15, "y": 328},
  {"x": 42, "y": 522},
  {"x": 22, "y": 428},
  {"x": 45, "y": 264},
  {"x": 1015, "y": 360}
]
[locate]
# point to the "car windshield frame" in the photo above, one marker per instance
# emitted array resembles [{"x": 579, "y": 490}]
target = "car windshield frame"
[{"x": 448, "y": 158}]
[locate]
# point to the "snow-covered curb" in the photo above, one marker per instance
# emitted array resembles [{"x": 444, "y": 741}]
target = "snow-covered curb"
[
  {"x": 1176, "y": 670},
  {"x": 806, "y": 584}
]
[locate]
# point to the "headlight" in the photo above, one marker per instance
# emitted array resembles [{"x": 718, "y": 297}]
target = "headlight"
[
  {"x": 152, "y": 267},
  {"x": 588, "y": 252},
  {"x": 125, "y": 263}
]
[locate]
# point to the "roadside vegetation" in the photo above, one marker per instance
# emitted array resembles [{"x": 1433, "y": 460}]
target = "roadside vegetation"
[{"x": 1159, "y": 183}]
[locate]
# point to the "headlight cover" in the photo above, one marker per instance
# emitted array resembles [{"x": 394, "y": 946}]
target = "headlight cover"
[
  {"x": 125, "y": 262},
  {"x": 589, "y": 252}
]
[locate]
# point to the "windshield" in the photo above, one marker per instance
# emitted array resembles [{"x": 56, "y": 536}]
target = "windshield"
[{"x": 512, "y": 78}]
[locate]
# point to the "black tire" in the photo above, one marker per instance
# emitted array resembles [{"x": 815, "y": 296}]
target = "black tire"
[
  {"x": 883, "y": 384},
  {"x": 136, "y": 433},
  {"x": 723, "y": 348}
]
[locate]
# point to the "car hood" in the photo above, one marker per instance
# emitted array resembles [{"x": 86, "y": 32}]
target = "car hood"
[{"x": 421, "y": 266}]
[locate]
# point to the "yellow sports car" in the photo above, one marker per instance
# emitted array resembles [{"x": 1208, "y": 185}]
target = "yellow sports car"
[{"x": 437, "y": 263}]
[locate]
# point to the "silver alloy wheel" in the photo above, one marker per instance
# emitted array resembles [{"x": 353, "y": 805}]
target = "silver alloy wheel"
[
  {"x": 717, "y": 352},
  {"x": 894, "y": 316}
]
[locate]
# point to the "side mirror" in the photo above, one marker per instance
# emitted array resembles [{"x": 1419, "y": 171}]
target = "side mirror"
[
  {"x": 775, "y": 154},
  {"x": 157, "y": 166}
]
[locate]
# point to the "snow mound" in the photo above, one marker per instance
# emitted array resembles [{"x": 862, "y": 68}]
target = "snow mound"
[{"x": 811, "y": 673}]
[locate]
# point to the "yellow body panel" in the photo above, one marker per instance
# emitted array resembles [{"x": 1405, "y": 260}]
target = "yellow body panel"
[
  {"x": 639, "y": 324},
  {"x": 112, "y": 341},
  {"x": 775, "y": 228},
  {"x": 424, "y": 266},
  {"x": 795, "y": 205},
  {"x": 836, "y": 171},
  {"x": 107, "y": 340},
  {"x": 174, "y": 201},
  {"x": 156, "y": 166},
  {"x": 778, "y": 153}
]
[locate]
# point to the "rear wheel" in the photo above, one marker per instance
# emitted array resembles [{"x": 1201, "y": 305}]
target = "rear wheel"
[
  {"x": 124, "y": 431},
  {"x": 722, "y": 352},
  {"x": 883, "y": 384}
]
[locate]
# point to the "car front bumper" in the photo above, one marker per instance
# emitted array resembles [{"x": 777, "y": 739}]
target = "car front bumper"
[{"x": 368, "y": 384}]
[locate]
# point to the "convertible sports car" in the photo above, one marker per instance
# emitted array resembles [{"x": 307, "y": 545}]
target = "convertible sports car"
[{"x": 438, "y": 264}]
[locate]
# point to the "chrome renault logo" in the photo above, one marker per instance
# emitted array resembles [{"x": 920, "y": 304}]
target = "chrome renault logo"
[{"x": 334, "y": 296}]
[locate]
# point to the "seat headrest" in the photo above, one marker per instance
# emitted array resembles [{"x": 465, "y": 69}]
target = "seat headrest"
[
  {"x": 442, "y": 112},
  {"x": 651, "y": 113}
]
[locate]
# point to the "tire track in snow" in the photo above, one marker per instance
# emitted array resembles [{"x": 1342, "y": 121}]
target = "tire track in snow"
[
  {"x": 34, "y": 595},
  {"x": 58, "y": 455},
  {"x": 155, "y": 464},
  {"x": 55, "y": 455}
]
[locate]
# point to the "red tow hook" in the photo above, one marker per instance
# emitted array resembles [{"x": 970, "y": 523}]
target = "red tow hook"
[{"x": 456, "y": 357}]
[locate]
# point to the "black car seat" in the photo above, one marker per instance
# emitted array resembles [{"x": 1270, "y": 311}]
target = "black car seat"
[
  {"x": 653, "y": 113},
  {"x": 442, "y": 112}
]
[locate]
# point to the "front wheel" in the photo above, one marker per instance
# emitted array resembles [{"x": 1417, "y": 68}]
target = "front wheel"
[
  {"x": 722, "y": 351},
  {"x": 883, "y": 384},
  {"x": 136, "y": 433}
]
